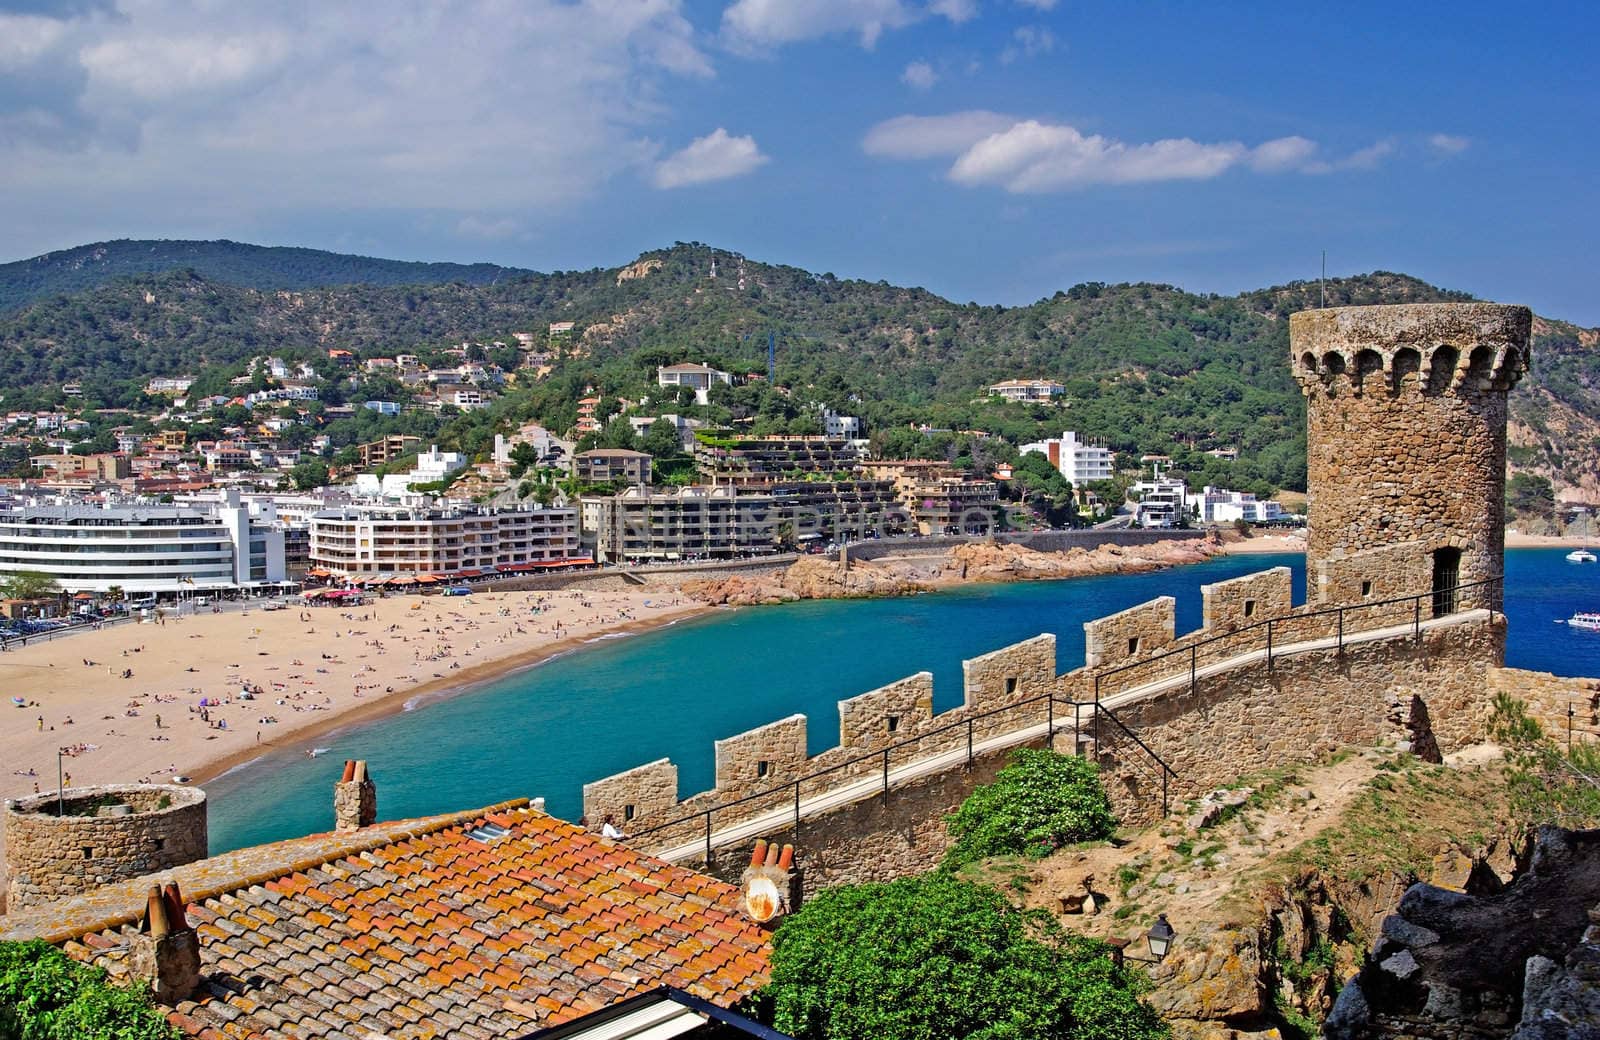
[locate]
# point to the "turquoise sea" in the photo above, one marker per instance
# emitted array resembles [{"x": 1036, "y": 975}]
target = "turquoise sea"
[{"x": 547, "y": 730}]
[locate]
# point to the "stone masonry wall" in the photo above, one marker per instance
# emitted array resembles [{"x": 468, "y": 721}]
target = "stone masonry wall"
[
  {"x": 888, "y": 714},
  {"x": 1406, "y": 439},
  {"x": 760, "y": 756},
  {"x": 1228, "y": 605},
  {"x": 1128, "y": 634},
  {"x": 1372, "y": 574},
  {"x": 641, "y": 792},
  {"x": 49, "y": 857},
  {"x": 1025, "y": 669},
  {"x": 1254, "y": 718},
  {"x": 1549, "y": 697}
]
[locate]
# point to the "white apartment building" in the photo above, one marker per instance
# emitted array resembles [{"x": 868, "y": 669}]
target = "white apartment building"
[
  {"x": 380, "y": 541},
  {"x": 1221, "y": 506},
  {"x": 1163, "y": 502},
  {"x": 1081, "y": 462},
  {"x": 142, "y": 549},
  {"x": 700, "y": 377},
  {"x": 836, "y": 425},
  {"x": 432, "y": 466},
  {"x": 1029, "y": 391}
]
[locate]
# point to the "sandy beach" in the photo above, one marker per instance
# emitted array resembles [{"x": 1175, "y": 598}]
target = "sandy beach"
[
  {"x": 150, "y": 701},
  {"x": 1234, "y": 545}
]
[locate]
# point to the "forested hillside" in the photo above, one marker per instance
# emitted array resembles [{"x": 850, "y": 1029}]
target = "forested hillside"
[
  {"x": 235, "y": 263},
  {"x": 1150, "y": 368}
]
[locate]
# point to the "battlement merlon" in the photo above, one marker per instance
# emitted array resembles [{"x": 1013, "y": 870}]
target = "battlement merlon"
[{"x": 1481, "y": 346}]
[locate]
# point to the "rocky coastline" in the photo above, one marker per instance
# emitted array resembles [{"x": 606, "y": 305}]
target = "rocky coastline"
[{"x": 828, "y": 578}]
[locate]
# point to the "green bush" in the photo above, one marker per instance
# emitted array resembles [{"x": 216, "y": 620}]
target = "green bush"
[
  {"x": 1039, "y": 802},
  {"x": 45, "y": 995},
  {"x": 937, "y": 957}
]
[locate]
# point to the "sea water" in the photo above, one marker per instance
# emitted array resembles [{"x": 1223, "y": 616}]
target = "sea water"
[{"x": 671, "y": 692}]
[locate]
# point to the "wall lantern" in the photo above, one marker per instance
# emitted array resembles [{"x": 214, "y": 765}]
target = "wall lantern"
[{"x": 1160, "y": 937}]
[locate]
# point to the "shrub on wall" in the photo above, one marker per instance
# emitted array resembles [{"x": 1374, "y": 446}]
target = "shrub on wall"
[
  {"x": 45, "y": 995},
  {"x": 1039, "y": 802},
  {"x": 936, "y": 956}
]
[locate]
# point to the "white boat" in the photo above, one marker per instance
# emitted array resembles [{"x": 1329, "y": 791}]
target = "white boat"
[
  {"x": 1588, "y": 621},
  {"x": 1581, "y": 556}
]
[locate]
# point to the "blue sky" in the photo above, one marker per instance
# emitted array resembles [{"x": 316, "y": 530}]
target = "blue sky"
[{"x": 989, "y": 150}]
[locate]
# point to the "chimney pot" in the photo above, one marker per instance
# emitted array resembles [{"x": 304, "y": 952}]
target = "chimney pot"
[
  {"x": 772, "y": 854},
  {"x": 355, "y": 800},
  {"x": 786, "y": 858},
  {"x": 349, "y": 773},
  {"x": 173, "y": 899},
  {"x": 758, "y": 855},
  {"x": 156, "y": 924}
]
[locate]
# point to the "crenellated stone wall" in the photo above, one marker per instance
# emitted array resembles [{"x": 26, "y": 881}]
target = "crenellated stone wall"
[
  {"x": 1559, "y": 705},
  {"x": 647, "y": 791},
  {"x": 1233, "y": 604},
  {"x": 888, "y": 714},
  {"x": 1130, "y": 634},
  {"x": 762, "y": 755},
  {"x": 108, "y": 833},
  {"x": 1022, "y": 670},
  {"x": 1422, "y": 685}
]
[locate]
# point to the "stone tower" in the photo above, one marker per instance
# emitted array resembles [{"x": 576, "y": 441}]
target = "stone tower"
[{"x": 1406, "y": 450}]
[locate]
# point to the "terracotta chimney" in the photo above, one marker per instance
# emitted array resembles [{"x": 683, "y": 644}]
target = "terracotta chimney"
[
  {"x": 355, "y": 798},
  {"x": 166, "y": 952},
  {"x": 769, "y": 883}
]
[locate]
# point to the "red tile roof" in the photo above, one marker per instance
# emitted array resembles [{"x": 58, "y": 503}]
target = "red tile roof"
[{"x": 415, "y": 930}]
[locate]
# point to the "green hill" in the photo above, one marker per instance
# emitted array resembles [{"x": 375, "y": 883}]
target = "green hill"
[
  {"x": 235, "y": 263},
  {"x": 1149, "y": 368}
]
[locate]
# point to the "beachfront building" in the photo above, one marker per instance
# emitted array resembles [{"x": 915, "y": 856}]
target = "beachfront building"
[
  {"x": 1221, "y": 506},
  {"x": 1029, "y": 391},
  {"x": 701, "y": 522},
  {"x": 701, "y": 378},
  {"x": 143, "y": 549},
  {"x": 378, "y": 541},
  {"x": 755, "y": 461},
  {"x": 1081, "y": 462}
]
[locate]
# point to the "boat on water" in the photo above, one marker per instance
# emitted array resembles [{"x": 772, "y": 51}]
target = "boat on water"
[
  {"x": 1585, "y": 620},
  {"x": 1581, "y": 556}
]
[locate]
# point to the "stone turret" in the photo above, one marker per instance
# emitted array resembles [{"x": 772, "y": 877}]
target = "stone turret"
[
  {"x": 63, "y": 845},
  {"x": 1406, "y": 451}
]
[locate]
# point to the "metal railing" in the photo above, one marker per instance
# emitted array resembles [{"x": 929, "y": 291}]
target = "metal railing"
[
  {"x": 1260, "y": 635},
  {"x": 883, "y": 757},
  {"x": 967, "y": 728}
]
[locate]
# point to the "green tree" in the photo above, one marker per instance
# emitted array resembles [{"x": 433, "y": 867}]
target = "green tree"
[
  {"x": 30, "y": 585},
  {"x": 1547, "y": 782},
  {"x": 937, "y": 957},
  {"x": 1040, "y": 801},
  {"x": 1529, "y": 495},
  {"x": 661, "y": 439},
  {"x": 523, "y": 457},
  {"x": 312, "y": 473},
  {"x": 44, "y": 995}
]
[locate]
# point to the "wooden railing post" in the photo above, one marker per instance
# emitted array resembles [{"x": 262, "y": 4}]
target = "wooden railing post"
[
  {"x": 797, "y": 812},
  {"x": 1269, "y": 644},
  {"x": 1050, "y": 723},
  {"x": 1194, "y": 665},
  {"x": 708, "y": 841},
  {"x": 886, "y": 774}
]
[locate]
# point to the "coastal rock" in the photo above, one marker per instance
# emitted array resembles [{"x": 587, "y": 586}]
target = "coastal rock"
[{"x": 985, "y": 561}]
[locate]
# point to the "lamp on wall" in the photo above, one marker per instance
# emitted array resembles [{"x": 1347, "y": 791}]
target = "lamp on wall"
[{"x": 1160, "y": 938}]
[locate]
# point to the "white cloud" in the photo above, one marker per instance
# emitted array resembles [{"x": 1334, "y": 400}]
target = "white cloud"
[
  {"x": 760, "y": 24},
  {"x": 1039, "y": 5},
  {"x": 221, "y": 117},
  {"x": 714, "y": 157},
  {"x": 1028, "y": 41},
  {"x": 1367, "y": 158},
  {"x": 1285, "y": 153},
  {"x": 1030, "y": 156},
  {"x": 957, "y": 11},
  {"x": 919, "y": 74},
  {"x": 928, "y": 137},
  {"x": 1449, "y": 144}
]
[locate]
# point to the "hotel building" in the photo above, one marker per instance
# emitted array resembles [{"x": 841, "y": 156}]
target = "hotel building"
[
  {"x": 142, "y": 549},
  {"x": 379, "y": 541}
]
